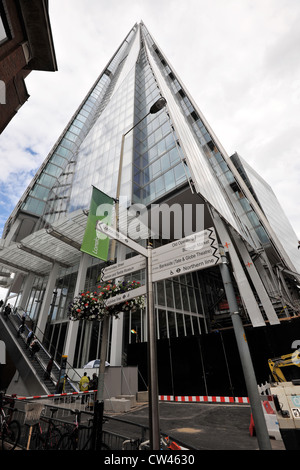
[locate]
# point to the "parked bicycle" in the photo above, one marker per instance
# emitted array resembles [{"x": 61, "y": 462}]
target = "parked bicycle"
[
  {"x": 80, "y": 437},
  {"x": 41, "y": 440},
  {"x": 139, "y": 444},
  {"x": 10, "y": 428},
  {"x": 135, "y": 444}
]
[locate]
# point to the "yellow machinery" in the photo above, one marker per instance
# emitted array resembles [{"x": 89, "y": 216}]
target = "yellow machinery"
[
  {"x": 291, "y": 365},
  {"x": 285, "y": 392}
]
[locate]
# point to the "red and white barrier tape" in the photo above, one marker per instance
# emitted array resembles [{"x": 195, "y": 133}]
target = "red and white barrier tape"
[
  {"x": 182, "y": 399},
  {"x": 54, "y": 395},
  {"x": 204, "y": 399}
]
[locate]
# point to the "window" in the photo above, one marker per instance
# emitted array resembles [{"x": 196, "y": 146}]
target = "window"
[
  {"x": 4, "y": 27},
  {"x": 3, "y": 35}
]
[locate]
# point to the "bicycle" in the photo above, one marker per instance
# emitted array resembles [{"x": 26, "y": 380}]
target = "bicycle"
[
  {"x": 73, "y": 440},
  {"x": 46, "y": 440},
  {"x": 10, "y": 428},
  {"x": 139, "y": 444},
  {"x": 135, "y": 444}
]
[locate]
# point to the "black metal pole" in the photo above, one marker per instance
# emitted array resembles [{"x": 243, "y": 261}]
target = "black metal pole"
[{"x": 97, "y": 425}]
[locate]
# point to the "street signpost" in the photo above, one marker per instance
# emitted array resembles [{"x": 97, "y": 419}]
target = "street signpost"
[
  {"x": 131, "y": 294},
  {"x": 120, "y": 237},
  {"x": 122, "y": 268},
  {"x": 192, "y": 253},
  {"x": 195, "y": 252}
]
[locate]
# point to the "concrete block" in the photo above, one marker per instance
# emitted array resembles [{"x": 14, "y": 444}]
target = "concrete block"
[
  {"x": 116, "y": 405},
  {"x": 142, "y": 396},
  {"x": 128, "y": 397}
]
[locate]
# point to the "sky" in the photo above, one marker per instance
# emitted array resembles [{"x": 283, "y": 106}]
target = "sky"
[{"x": 239, "y": 60}]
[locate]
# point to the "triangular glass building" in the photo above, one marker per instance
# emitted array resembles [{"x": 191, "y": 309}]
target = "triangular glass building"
[{"x": 169, "y": 157}]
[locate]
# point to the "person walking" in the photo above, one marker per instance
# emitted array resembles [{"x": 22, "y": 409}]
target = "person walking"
[
  {"x": 7, "y": 311},
  {"x": 29, "y": 338},
  {"x": 84, "y": 386},
  {"x": 34, "y": 347},
  {"x": 22, "y": 325},
  {"x": 93, "y": 384}
]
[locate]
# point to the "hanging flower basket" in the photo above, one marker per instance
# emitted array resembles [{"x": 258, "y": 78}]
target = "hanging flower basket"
[{"x": 92, "y": 305}]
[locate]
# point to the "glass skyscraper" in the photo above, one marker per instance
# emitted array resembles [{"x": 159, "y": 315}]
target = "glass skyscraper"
[{"x": 173, "y": 158}]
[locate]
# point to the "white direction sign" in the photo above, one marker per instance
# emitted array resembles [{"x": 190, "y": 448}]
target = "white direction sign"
[
  {"x": 124, "y": 267},
  {"x": 120, "y": 237},
  {"x": 197, "y": 251},
  {"x": 131, "y": 294}
]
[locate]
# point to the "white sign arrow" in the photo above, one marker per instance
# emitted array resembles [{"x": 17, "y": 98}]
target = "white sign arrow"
[
  {"x": 131, "y": 294},
  {"x": 198, "y": 251},
  {"x": 124, "y": 267},
  {"x": 120, "y": 237}
]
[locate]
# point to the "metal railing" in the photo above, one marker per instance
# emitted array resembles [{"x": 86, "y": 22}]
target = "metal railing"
[
  {"x": 43, "y": 361},
  {"x": 115, "y": 429}
]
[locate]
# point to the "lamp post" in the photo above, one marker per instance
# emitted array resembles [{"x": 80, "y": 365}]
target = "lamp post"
[
  {"x": 155, "y": 108},
  {"x": 99, "y": 405}
]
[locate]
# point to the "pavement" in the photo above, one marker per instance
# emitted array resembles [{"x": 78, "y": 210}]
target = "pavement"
[{"x": 203, "y": 426}]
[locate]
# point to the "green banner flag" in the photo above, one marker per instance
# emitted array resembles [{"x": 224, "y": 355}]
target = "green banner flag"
[{"x": 95, "y": 243}]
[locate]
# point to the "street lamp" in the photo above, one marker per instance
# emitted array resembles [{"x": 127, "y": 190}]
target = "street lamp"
[
  {"x": 155, "y": 108},
  {"x": 158, "y": 105},
  {"x": 153, "y": 398}
]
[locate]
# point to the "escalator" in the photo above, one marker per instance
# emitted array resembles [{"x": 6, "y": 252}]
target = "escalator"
[{"x": 31, "y": 368}]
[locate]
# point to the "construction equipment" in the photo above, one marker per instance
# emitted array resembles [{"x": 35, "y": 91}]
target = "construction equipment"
[
  {"x": 285, "y": 393},
  {"x": 286, "y": 398},
  {"x": 291, "y": 365}
]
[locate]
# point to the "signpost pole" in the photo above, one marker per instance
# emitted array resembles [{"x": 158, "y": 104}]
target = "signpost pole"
[
  {"x": 249, "y": 374},
  {"x": 152, "y": 360}
]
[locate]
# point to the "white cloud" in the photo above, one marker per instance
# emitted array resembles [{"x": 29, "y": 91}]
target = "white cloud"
[{"x": 238, "y": 59}]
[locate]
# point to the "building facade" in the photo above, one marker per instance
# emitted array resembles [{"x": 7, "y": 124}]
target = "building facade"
[
  {"x": 26, "y": 44},
  {"x": 171, "y": 161}
]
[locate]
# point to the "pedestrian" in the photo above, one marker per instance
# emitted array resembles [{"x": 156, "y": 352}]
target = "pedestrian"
[
  {"x": 48, "y": 368},
  {"x": 84, "y": 386},
  {"x": 93, "y": 384},
  {"x": 34, "y": 347},
  {"x": 64, "y": 383},
  {"x": 29, "y": 338},
  {"x": 1, "y": 304},
  {"x": 22, "y": 326},
  {"x": 7, "y": 311}
]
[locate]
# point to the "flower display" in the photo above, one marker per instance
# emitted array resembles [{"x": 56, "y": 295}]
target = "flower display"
[{"x": 92, "y": 305}]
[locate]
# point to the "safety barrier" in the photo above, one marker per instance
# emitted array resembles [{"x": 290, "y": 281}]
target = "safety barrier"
[
  {"x": 269, "y": 413},
  {"x": 204, "y": 399},
  {"x": 57, "y": 395},
  {"x": 115, "y": 429}
]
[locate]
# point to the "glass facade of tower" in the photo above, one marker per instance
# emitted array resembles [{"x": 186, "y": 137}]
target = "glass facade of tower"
[
  {"x": 165, "y": 153},
  {"x": 271, "y": 207}
]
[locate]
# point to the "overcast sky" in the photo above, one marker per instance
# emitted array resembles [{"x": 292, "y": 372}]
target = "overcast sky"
[{"x": 239, "y": 59}]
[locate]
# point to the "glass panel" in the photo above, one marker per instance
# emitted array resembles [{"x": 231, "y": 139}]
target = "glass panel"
[
  {"x": 163, "y": 332},
  {"x": 172, "y": 325},
  {"x": 185, "y": 298},
  {"x": 161, "y": 300},
  {"x": 188, "y": 326},
  {"x": 136, "y": 327},
  {"x": 178, "y": 304},
  {"x": 169, "y": 293},
  {"x": 192, "y": 299},
  {"x": 195, "y": 325},
  {"x": 180, "y": 324}
]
